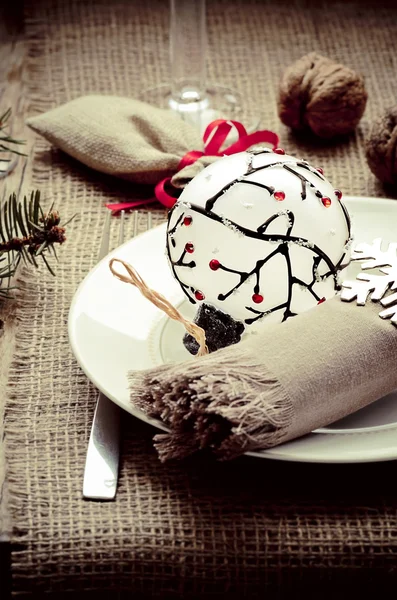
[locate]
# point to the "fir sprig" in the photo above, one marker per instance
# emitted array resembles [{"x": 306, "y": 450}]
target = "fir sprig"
[
  {"x": 27, "y": 233},
  {"x": 7, "y": 142}
]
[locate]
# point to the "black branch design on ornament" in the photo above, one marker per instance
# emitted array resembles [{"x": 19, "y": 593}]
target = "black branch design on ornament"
[
  {"x": 260, "y": 234},
  {"x": 268, "y": 237},
  {"x": 246, "y": 275},
  {"x": 295, "y": 280},
  {"x": 283, "y": 250},
  {"x": 188, "y": 249},
  {"x": 261, "y": 314},
  {"x": 287, "y": 165},
  {"x": 179, "y": 263},
  {"x": 316, "y": 278}
]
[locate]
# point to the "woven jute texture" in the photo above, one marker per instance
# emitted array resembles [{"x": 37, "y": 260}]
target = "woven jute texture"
[{"x": 200, "y": 527}]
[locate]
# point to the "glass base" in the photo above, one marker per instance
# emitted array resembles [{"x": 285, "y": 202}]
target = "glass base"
[{"x": 219, "y": 103}]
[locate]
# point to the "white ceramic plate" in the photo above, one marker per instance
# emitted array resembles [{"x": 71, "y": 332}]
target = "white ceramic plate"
[{"x": 113, "y": 329}]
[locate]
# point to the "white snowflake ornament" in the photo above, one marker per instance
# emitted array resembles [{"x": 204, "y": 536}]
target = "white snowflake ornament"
[
  {"x": 375, "y": 285},
  {"x": 281, "y": 233}
]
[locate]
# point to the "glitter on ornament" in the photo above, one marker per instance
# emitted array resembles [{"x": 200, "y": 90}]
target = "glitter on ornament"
[
  {"x": 348, "y": 244},
  {"x": 303, "y": 243},
  {"x": 286, "y": 214},
  {"x": 247, "y": 204},
  {"x": 186, "y": 204},
  {"x": 250, "y": 158},
  {"x": 259, "y": 150},
  {"x": 231, "y": 226}
]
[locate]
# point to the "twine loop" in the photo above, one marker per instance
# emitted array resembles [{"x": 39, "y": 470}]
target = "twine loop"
[{"x": 160, "y": 302}]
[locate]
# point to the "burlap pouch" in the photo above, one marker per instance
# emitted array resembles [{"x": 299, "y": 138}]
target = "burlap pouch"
[
  {"x": 275, "y": 386},
  {"x": 123, "y": 137}
]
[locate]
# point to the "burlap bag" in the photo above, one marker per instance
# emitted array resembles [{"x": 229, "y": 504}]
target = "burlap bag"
[
  {"x": 123, "y": 137},
  {"x": 291, "y": 379}
]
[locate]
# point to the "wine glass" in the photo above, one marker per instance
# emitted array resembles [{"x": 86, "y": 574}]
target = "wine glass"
[{"x": 189, "y": 95}]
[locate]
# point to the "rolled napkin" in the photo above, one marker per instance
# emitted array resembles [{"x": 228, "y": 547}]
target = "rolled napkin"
[{"x": 274, "y": 386}]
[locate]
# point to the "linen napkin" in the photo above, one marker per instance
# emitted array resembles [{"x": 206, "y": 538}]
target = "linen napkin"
[
  {"x": 123, "y": 137},
  {"x": 274, "y": 386}
]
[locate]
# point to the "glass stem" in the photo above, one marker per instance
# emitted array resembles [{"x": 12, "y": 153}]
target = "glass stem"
[{"x": 188, "y": 49}]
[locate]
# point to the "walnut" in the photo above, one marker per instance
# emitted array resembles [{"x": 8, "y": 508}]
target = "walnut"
[
  {"x": 320, "y": 94},
  {"x": 381, "y": 147}
]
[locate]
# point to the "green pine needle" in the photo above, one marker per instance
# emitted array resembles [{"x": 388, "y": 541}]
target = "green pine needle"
[
  {"x": 7, "y": 142},
  {"x": 29, "y": 234}
]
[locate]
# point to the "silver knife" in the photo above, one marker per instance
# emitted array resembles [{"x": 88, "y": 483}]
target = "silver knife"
[{"x": 103, "y": 453}]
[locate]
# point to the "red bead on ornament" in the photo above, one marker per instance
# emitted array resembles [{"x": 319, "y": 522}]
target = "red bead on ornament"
[
  {"x": 338, "y": 194},
  {"x": 257, "y": 298},
  {"x": 279, "y": 151},
  {"x": 199, "y": 295},
  {"x": 187, "y": 220},
  {"x": 214, "y": 264},
  {"x": 326, "y": 201},
  {"x": 279, "y": 195},
  {"x": 189, "y": 247},
  {"x": 321, "y": 300},
  {"x": 320, "y": 170}
]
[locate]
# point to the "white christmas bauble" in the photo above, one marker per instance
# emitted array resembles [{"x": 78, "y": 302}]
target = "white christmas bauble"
[{"x": 259, "y": 236}]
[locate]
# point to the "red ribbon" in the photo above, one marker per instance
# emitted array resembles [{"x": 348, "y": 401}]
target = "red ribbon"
[
  {"x": 214, "y": 137},
  {"x": 116, "y": 207}
]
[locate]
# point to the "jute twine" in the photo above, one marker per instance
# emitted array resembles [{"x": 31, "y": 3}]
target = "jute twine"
[{"x": 161, "y": 302}]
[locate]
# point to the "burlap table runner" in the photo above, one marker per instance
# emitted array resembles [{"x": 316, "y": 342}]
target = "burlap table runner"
[{"x": 198, "y": 527}]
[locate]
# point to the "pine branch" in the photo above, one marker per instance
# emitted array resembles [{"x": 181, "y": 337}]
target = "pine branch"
[
  {"x": 7, "y": 142},
  {"x": 27, "y": 234}
]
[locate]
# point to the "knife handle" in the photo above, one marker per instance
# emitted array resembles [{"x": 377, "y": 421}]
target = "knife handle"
[{"x": 102, "y": 462}]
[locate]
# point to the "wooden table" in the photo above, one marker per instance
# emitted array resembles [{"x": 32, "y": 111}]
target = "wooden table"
[{"x": 12, "y": 63}]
